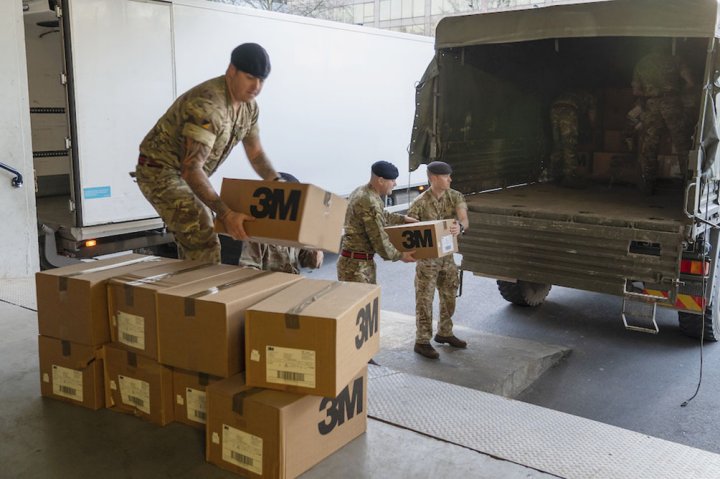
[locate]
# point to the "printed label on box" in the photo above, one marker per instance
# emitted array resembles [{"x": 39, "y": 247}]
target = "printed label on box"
[
  {"x": 196, "y": 410},
  {"x": 135, "y": 393},
  {"x": 67, "y": 382},
  {"x": 242, "y": 449},
  {"x": 294, "y": 367},
  {"x": 131, "y": 330},
  {"x": 446, "y": 243}
]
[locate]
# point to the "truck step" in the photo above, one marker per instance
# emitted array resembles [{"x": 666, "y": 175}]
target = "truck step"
[{"x": 638, "y": 313}]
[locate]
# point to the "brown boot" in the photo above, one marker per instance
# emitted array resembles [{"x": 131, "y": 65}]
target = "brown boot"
[
  {"x": 426, "y": 350},
  {"x": 451, "y": 340}
]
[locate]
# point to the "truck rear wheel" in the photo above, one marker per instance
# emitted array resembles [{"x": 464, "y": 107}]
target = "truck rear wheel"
[
  {"x": 691, "y": 324},
  {"x": 524, "y": 293}
]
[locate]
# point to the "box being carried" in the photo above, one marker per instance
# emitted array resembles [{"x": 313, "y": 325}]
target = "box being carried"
[
  {"x": 272, "y": 434},
  {"x": 289, "y": 214},
  {"x": 313, "y": 337},
  {"x": 429, "y": 239},
  {"x": 131, "y": 301},
  {"x": 72, "y": 301}
]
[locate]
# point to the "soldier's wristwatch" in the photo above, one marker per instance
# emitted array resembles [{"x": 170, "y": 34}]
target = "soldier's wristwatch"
[{"x": 462, "y": 228}]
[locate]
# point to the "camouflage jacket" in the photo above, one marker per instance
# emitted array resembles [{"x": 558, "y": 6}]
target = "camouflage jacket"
[
  {"x": 281, "y": 259},
  {"x": 428, "y": 208},
  {"x": 657, "y": 74},
  {"x": 365, "y": 220},
  {"x": 205, "y": 114},
  {"x": 581, "y": 100}
]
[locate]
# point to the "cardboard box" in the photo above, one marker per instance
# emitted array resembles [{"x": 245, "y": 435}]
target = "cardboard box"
[
  {"x": 71, "y": 372},
  {"x": 289, "y": 214},
  {"x": 190, "y": 398},
  {"x": 616, "y": 167},
  {"x": 201, "y": 325},
  {"x": 131, "y": 301},
  {"x": 313, "y": 337},
  {"x": 72, "y": 301},
  {"x": 429, "y": 239},
  {"x": 271, "y": 434},
  {"x": 138, "y": 385}
]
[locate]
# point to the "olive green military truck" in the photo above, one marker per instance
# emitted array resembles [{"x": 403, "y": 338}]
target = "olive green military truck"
[{"x": 483, "y": 107}]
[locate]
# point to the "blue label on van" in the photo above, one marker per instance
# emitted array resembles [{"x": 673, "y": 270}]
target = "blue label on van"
[{"x": 96, "y": 192}]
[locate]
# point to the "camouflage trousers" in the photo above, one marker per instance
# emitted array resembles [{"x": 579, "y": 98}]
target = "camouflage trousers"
[
  {"x": 662, "y": 114},
  {"x": 185, "y": 216},
  {"x": 356, "y": 270},
  {"x": 564, "y": 120},
  {"x": 440, "y": 273}
]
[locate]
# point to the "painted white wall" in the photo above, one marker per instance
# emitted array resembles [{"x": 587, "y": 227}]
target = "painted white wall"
[{"x": 18, "y": 233}]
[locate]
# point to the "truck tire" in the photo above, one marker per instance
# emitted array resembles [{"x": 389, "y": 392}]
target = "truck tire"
[
  {"x": 691, "y": 324},
  {"x": 524, "y": 293}
]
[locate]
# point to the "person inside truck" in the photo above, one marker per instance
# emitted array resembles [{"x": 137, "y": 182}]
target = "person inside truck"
[
  {"x": 191, "y": 140},
  {"x": 659, "y": 81},
  {"x": 439, "y": 202},
  {"x": 282, "y": 259},
  {"x": 568, "y": 113}
]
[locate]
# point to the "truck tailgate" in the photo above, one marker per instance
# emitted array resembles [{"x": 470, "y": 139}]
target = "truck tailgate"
[{"x": 592, "y": 239}]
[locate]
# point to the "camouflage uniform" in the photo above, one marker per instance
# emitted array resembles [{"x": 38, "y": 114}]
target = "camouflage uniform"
[
  {"x": 281, "y": 259},
  {"x": 565, "y": 114},
  {"x": 205, "y": 114},
  {"x": 365, "y": 220},
  {"x": 440, "y": 273},
  {"x": 657, "y": 78}
]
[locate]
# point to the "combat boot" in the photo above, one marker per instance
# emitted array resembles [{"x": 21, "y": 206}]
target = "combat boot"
[
  {"x": 426, "y": 350},
  {"x": 453, "y": 341}
]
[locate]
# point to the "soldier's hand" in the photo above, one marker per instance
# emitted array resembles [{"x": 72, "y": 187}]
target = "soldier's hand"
[
  {"x": 410, "y": 219},
  {"x": 234, "y": 226},
  {"x": 407, "y": 256},
  {"x": 455, "y": 228}
]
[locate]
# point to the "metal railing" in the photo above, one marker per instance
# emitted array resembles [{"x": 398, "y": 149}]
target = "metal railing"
[{"x": 17, "y": 182}]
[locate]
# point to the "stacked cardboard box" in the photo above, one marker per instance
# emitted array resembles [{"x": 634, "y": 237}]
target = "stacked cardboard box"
[
  {"x": 73, "y": 325},
  {"x": 165, "y": 340},
  {"x": 132, "y": 301},
  {"x": 263, "y": 433},
  {"x": 304, "y": 391}
]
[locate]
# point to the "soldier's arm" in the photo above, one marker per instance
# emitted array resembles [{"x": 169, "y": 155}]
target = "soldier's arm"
[
  {"x": 394, "y": 218},
  {"x": 191, "y": 170},
  {"x": 251, "y": 256},
  {"x": 462, "y": 219},
  {"x": 310, "y": 258},
  {"x": 374, "y": 223},
  {"x": 258, "y": 159}
]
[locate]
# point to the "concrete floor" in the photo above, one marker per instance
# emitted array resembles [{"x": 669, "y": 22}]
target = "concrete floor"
[
  {"x": 625, "y": 379},
  {"x": 41, "y": 438},
  {"x": 632, "y": 380}
]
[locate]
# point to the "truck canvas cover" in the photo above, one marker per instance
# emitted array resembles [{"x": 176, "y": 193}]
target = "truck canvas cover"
[{"x": 483, "y": 106}]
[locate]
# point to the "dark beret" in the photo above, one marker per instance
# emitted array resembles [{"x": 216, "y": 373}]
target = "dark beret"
[
  {"x": 288, "y": 177},
  {"x": 439, "y": 168},
  {"x": 385, "y": 169},
  {"x": 251, "y": 58}
]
